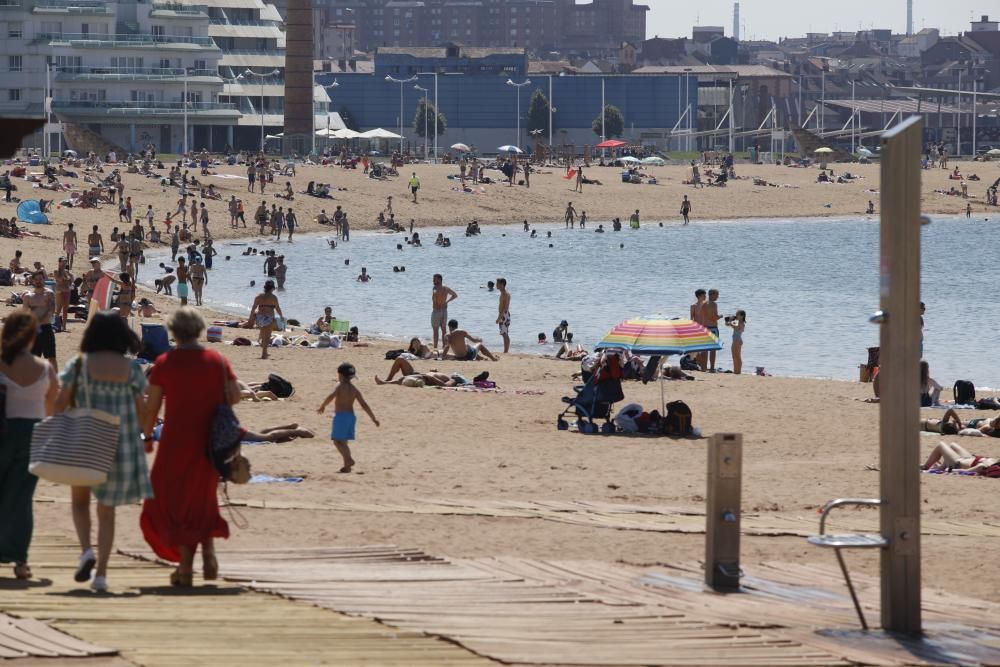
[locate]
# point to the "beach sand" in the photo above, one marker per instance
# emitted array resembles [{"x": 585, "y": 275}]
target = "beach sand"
[{"x": 805, "y": 441}]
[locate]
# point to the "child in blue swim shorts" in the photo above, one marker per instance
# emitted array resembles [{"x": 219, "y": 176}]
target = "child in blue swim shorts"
[{"x": 343, "y": 397}]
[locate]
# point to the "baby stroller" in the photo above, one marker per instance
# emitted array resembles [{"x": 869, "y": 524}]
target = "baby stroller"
[{"x": 593, "y": 400}]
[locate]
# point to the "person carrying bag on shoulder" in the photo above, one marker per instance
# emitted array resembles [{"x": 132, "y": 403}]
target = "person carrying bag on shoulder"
[{"x": 104, "y": 380}]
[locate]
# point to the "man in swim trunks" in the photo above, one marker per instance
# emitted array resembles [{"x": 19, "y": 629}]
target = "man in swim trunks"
[
  {"x": 570, "y": 215},
  {"x": 455, "y": 341},
  {"x": 69, "y": 244},
  {"x": 42, "y": 303},
  {"x": 441, "y": 296},
  {"x": 182, "y": 280},
  {"x": 710, "y": 320},
  {"x": 95, "y": 243},
  {"x": 696, "y": 317},
  {"x": 503, "y": 315}
]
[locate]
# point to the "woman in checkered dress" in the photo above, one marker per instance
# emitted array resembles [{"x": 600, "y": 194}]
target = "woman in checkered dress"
[{"x": 115, "y": 384}]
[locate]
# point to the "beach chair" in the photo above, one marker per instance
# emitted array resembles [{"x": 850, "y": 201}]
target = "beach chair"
[
  {"x": 839, "y": 542},
  {"x": 340, "y": 326}
]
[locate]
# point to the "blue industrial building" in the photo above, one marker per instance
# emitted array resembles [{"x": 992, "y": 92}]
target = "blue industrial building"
[{"x": 482, "y": 110}]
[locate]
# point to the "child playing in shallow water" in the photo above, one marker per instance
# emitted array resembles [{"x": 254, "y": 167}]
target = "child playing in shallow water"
[{"x": 343, "y": 397}]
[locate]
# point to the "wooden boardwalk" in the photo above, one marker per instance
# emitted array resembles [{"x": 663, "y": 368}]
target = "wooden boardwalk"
[
  {"x": 652, "y": 518},
  {"x": 522, "y": 611},
  {"x": 149, "y": 623}
]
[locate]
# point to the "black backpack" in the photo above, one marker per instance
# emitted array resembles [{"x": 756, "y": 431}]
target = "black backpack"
[
  {"x": 965, "y": 392},
  {"x": 278, "y": 385},
  {"x": 678, "y": 419}
]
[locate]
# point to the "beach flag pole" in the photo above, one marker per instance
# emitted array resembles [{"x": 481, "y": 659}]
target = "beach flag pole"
[{"x": 899, "y": 376}]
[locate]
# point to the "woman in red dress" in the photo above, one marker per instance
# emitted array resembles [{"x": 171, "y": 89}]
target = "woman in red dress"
[{"x": 184, "y": 511}]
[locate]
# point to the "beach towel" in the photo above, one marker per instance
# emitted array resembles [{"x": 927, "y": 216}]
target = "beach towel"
[
  {"x": 268, "y": 479},
  {"x": 569, "y": 175}
]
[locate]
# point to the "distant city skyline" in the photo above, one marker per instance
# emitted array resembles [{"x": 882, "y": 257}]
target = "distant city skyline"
[{"x": 773, "y": 19}]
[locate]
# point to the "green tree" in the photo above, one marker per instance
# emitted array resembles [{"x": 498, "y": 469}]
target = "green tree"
[
  {"x": 538, "y": 112},
  {"x": 614, "y": 122},
  {"x": 430, "y": 112},
  {"x": 348, "y": 118}
]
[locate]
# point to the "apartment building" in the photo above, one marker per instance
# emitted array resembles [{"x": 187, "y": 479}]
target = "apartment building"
[
  {"x": 122, "y": 69},
  {"x": 539, "y": 26}
]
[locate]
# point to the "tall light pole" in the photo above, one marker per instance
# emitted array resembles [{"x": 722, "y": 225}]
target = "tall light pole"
[
  {"x": 821, "y": 116},
  {"x": 247, "y": 75},
  {"x": 390, "y": 79},
  {"x": 958, "y": 120},
  {"x": 185, "y": 106},
  {"x": 426, "y": 110},
  {"x": 517, "y": 114},
  {"x": 687, "y": 105},
  {"x": 46, "y": 139},
  {"x": 332, "y": 85},
  {"x": 854, "y": 115},
  {"x": 604, "y": 115}
]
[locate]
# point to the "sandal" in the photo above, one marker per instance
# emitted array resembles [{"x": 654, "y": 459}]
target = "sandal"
[
  {"x": 22, "y": 571},
  {"x": 210, "y": 568},
  {"x": 181, "y": 579}
]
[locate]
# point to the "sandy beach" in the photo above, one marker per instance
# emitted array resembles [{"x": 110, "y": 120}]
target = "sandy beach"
[{"x": 805, "y": 441}]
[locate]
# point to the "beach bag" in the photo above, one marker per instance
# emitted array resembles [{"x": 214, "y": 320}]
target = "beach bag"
[
  {"x": 6, "y": 279},
  {"x": 992, "y": 471},
  {"x": 214, "y": 334},
  {"x": 393, "y": 354},
  {"x": 965, "y": 392},
  {"x": 323, "y": 340},
  {"x": 678, "y": 419},
  {"x": 76, "y": 447},
  {"x": 278, "y": 385},
  {"x": 224, "y": 441},
  {"x": 626, "y": 418},
  {"x": 413, "y": 381}
]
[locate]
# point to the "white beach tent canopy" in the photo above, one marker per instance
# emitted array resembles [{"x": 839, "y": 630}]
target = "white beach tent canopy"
[
  {"x": 346, "y": 133},
  {"x": 379, "y": 133}
]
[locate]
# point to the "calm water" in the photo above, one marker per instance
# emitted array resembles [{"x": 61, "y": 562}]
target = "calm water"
[{"x": 808, "y": 286}]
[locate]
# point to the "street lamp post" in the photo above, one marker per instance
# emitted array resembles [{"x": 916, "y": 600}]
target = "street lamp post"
[
  {"x": 185, "y": 106},
  {"x": 247, "y": 75},
  {"x": 854, "y": 115},
  {"x": 687, "y": 105},
  {"x": 425, "y": 91},
  {"x": 517, "y": 114},
  {"x": 391, "y": 79}
]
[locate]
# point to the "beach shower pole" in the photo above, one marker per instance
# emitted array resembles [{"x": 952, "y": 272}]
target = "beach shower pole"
[{"x": 899, "y": 377}]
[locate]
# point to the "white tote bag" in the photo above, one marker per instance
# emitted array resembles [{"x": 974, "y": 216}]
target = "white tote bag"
[{"x": 76, "y": 447}]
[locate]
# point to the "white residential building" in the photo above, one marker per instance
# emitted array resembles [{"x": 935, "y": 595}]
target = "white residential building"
[{"x": 121, "y": 69}]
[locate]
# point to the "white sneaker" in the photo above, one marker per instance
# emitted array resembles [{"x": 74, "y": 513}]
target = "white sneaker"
[
  {"x": 87, "y": 563},
  {"x": 100, "y": 584}
]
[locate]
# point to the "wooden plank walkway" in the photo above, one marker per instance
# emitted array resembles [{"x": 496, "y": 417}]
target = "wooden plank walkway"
[
  {"x": 29, "y": 638},
  {"x": 524, "y": 611},
  {"x": 663, "y": 519},
  {"x": 152, "y": 624}
]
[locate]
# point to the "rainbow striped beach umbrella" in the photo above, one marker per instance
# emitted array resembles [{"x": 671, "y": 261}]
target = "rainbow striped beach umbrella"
[{"x": 660, "y": 336}]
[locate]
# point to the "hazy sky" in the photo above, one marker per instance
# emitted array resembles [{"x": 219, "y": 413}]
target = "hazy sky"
[{"x": 771, "y": 19}]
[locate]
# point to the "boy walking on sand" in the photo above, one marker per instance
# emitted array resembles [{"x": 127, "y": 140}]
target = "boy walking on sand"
[{"x": 343, "y": 397}]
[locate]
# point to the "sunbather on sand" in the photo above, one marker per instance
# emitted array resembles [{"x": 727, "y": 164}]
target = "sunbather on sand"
[
  {"x": 252, "y": 392},
  {"x": 406, "y": 370},
  {"x": 568, "y": 351},
  {"x": 277, "y": 434},
  {"x": 419, "y": 349},
  {"x": 455, "y": 341},
  {"x": 950, "y": 424},
  {"x": 952, "y": 456}
]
